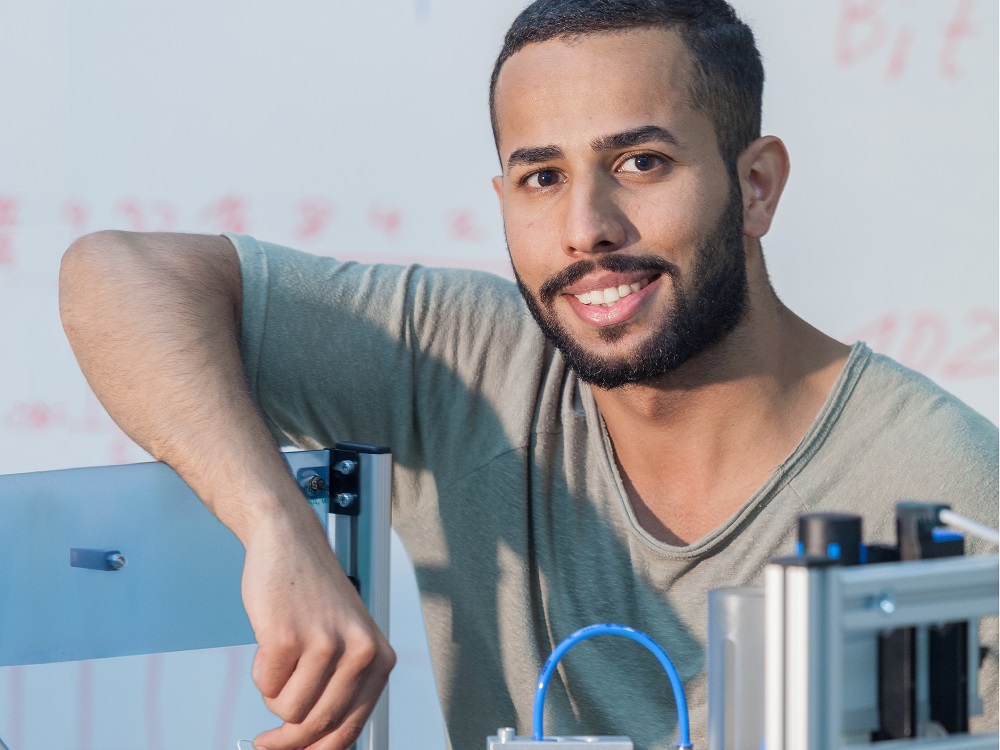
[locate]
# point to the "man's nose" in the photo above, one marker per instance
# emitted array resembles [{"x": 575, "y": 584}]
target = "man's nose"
[{"x": 593, "y": 222}]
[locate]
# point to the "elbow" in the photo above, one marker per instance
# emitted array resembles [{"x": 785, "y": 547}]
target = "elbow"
[
  {"x": 85, "y": 263},
  {"x": 88, "y": 249}
]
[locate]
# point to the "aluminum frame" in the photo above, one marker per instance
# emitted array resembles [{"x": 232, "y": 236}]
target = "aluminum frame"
[{"x": 815, "y": 612}]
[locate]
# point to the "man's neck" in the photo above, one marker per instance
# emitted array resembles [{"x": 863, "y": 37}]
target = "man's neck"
[{"x": 694, "y": 446}]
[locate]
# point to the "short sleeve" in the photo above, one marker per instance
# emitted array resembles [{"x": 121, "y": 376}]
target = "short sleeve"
[{"x": 443, "y": 366}]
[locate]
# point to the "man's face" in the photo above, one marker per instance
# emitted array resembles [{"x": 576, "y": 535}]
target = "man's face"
[{"x": 623, "y": 224}]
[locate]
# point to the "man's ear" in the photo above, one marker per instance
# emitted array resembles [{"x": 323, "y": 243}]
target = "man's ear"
[
  {"x": 763, "y": 170},
  {"x": 498, "y": 186}
]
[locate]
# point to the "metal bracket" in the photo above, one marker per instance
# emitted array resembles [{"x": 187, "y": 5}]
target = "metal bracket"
[
  {"x": 360, "y": 503},
  {"x": 345, "y": 482},
  {"x": 97, "y": 559}
]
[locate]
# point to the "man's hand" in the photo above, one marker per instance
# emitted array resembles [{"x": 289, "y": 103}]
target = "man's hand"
[{"x": 322, "y": 662}]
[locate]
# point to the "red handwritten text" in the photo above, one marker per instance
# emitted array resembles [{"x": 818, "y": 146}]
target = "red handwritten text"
[
  {"x": 868, "y": 30},
  {"x": 314, "y": 214},
  {"x": 929, "y": 342},
  {"x": 8, "y": 220}
]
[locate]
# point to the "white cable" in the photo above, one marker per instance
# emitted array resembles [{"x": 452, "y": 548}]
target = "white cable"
[{"x": 950, "y": 518}]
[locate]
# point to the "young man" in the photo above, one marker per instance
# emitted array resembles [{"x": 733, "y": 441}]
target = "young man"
[{"x": 654, "y": 436}]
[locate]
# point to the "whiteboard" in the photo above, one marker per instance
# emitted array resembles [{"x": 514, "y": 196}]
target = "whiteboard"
[{"x": 361, "y": 130}]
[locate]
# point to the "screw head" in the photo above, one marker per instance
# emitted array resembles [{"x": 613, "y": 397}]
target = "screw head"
[
  {"x": 116, "y": 560},
  {"x": 345, "y": 467},
  {"x": 885, "y": 602},
  {"x": 344, "y": 499}
]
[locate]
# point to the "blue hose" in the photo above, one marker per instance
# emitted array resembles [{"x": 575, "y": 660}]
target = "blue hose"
[{"x": 683, "y": 729}]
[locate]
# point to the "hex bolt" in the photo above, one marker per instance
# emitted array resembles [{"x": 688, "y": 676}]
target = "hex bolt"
[
  {"x": 116, "y": 560},
  {"x": 344, "y": 499},
  {"x": 345, "y": 467}
]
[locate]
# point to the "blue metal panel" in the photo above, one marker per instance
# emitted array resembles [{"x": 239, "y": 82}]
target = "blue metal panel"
[{"x": 179, "y": 588}]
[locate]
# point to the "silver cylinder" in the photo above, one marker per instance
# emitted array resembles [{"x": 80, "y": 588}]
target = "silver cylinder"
[{"x": 735, "y": 668}]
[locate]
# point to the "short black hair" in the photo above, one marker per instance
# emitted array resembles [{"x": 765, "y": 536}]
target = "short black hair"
[{"x": 728, "y": 76}]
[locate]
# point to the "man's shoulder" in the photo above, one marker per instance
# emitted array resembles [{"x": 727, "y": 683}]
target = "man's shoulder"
[
  {"x": 896, "y": 435},
  {"x": 907, "y": 406}
]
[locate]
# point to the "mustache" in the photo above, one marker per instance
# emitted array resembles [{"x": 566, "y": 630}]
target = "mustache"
[{"x": 612, "y": 262}]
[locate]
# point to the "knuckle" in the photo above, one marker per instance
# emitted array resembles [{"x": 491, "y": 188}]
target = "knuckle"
[
  {"x": 266, "y": 684},
  {"x": 283, "y": 642},
  {"x": 390, "y": 657},
  {"x": 364, "y": 652},
  {"x": 384, "y": 663},
  {"x": 325, "y": 650},
  {"x": 292, "y": 710}
]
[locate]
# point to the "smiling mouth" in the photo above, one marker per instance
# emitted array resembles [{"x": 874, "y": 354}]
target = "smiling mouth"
[{"x": 611, "y": 295}]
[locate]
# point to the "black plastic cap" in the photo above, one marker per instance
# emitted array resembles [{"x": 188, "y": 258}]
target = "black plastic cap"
[
  {"x": 915, "y": 524},
  {"x": 802, "y": 561},
  {"x": 835, "y": 536},
  {"x": 347, "y": 445}
]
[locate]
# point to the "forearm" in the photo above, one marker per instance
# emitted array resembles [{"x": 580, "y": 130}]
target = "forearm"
[{"x": 154, "y": 321}]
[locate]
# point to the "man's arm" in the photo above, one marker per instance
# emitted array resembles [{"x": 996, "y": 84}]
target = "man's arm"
[{"x": 154, "y": 321}]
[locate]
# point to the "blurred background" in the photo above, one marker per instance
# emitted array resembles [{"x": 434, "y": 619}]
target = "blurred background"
[{"x": 360, "y": 130}]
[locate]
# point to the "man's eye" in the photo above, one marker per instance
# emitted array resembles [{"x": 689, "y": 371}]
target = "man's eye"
[
  {"x": 641, "y": 163},
  {"x": 542, "y": 178}
]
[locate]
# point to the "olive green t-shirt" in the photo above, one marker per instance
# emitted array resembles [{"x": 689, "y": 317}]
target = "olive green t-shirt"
[{"x": 508, "y": 500}]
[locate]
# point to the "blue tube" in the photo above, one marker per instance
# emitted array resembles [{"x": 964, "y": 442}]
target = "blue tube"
[{"x": 683, "y": 729}]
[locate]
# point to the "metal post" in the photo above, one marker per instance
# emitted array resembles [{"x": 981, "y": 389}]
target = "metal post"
[
  {"x": 774, "y": 657},
  {"x": 804, "y": 638},
  {"x": 735, "y": 667},
  {"x": 361, "y": 503}
]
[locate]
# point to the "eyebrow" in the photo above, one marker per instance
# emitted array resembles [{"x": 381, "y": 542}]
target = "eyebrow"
[
  {"x": 630, "y": 138},
  {"x": 533, "y": 155},
  {"x": 626, "y": 139}
]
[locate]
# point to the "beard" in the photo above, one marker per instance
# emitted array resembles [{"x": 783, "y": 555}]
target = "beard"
[{"x": 704, "y": 310}]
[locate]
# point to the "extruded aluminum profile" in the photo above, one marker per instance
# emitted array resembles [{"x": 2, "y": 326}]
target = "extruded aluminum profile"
[
  {"x": 805, "y": 634},
  {"x": 814, "y": 613},
  {"x": 924, "y": 592},
  {"x": 954, "y": 742},
  {"x": 774, "y": 657},
  {"x": 371, "y": 540}
]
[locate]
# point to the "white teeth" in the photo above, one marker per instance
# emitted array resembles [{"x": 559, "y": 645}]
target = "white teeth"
[{"x": 612, "y": 294}]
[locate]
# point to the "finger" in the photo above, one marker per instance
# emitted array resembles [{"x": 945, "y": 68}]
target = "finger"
[
  {"x": 306, "y": 684},
  {"x": 341, "y": 710},
  {"x": 273, "y": 665},
  {"x": 349, "y": 731},
  {"x": 346, "y": 733}
]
